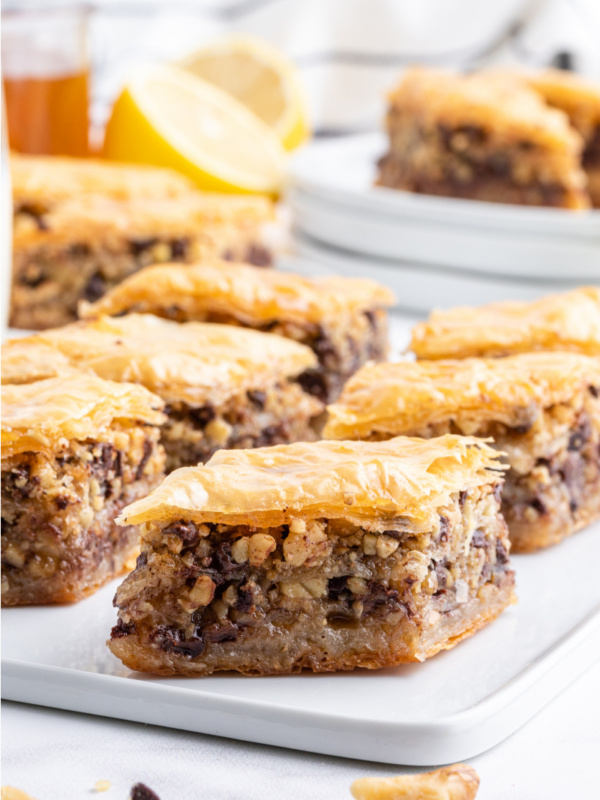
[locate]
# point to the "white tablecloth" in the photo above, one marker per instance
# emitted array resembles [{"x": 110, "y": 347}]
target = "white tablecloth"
[{"x": 57, "y": 755}]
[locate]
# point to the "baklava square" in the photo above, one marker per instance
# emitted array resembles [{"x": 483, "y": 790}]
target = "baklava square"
[
  {"x": 566, "y": 322},
  {"x": 75, "y": 451},
  {"x": 343, "y": 320},
  {"x": 542, "y": 411},
  {"x": 322, "y": 556},
  {"x": 481, "y": 136},
  {"x": 83, "y": 246},
  {"x": 224, "y": 386}
]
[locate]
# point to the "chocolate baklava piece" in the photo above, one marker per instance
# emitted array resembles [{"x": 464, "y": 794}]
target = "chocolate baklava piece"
[
  {"x": 484, "y": 137},
  {"x": 75, "y": 452},
  {"x": 542, "y": 411},
  {"x": 224, "y": 386},
  {"x": 83, "y": 246},
  {"x": 343, "y": 320},
  {"x": 579, "y": 99},
  {"x": 40, "y": 183},
  {"x": 324, "y": 556},
  {"x": 567, "y": 322}
]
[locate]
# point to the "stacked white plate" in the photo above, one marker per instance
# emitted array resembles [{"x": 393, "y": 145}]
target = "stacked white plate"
[{"x": 433, "y": 251}]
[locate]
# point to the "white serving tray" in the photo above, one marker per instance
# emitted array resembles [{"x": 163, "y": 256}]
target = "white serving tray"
[
  {"x": 450, "y": 708},
  {"x": 333, "y": 199}
]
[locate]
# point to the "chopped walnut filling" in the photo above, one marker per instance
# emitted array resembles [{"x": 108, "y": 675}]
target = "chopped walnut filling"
[
  {"x": 59, "y": 538},
  {"x": 279, "y": 414},
  {"x": 311, "y": 584}
]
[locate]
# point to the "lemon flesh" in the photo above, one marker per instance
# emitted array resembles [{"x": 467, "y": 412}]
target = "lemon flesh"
[
  {"x": 167, "y": 117},
  {"x": 261, "y": 78}
]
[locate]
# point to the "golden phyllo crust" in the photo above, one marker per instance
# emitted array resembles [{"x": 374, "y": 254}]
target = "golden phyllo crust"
[
  {"x": 409, "y": 397},
  {"x": 578, "y": 97},
  {"x": 189, "y": 362},
  {"x": 26, "y": 362},
  {"x": 97, "y": 218},
  {"x": 38, "y": 182},
  {"x": 38, "y": 417},
  {"x": 491, "y": 101},
  {"x": 240, "y": 291},
  {"x": 569, "y": 321},
  {"x": 365, "y": 482}
]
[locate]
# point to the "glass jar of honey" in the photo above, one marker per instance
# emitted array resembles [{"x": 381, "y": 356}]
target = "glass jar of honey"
[{"x": 45, "y": 73}]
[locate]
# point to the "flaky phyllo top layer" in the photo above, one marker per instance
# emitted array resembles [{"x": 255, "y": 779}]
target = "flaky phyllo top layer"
[
  {"x": 25, "y": 362},
  {"x": 500, "y": 103},
  {"x": 569, "y": 321},
  {"x": 408, "y": 396},
  {"x": 93, "y": 217},
  {"x": 371, "y": 483},
  {"x": 41, "y": 180},
  {"x": 249, "y": 294},
  {"x": 45, "y": 416},
  {"x": 190, "y": 362}
]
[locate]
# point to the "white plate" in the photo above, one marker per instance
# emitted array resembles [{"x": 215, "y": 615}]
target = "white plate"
[
  {"x": 421, "y": 287},
  {"x": 333, "y": 199},
  {"x": 450, "y": 708}
]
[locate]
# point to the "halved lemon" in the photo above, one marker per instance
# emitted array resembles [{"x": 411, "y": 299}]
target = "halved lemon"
[
  {"x": 167, "y": 117},
  {"x": 260, "y": 77}
]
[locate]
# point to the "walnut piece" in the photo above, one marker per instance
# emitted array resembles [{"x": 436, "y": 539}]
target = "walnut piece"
[
  {"x": 260, "y": 547},
  {"x": 456, "y": 782}
]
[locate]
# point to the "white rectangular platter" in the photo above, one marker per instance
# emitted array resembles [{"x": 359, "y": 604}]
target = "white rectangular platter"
[{"x": 450, "y": 708}]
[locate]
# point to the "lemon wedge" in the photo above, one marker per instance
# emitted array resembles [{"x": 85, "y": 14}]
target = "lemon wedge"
[
  {"x": 170, "y": 118},
  {"x": 260, "y": 77}
]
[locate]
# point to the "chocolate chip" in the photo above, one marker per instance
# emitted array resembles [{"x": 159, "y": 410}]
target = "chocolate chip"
[
  {"x": 593, "y": 390},
  {"x": 499, "y": 163},
  {"x": 144, "y": 460},
  {"x": 444, "y": 530},
  {"x": 337, "y": 588},
  {"x": 122, "y": 629},
  {"x": 580, "y": 436},
  {"x": 179, "y": 247},
  {"x": 257, "y": 397},
  {"x": 478, "y": 539},
  {"x": 314, "y": 382},
  {"x": 324, "y": 349},
  {"x": 141, "y": 792},
  {"x": 259, "y": 255},
  {"x": 501, "y": 552},
  {"x": 187, "y": 532},
  {"x": 95, "y": 288},
  {"x": 223, "y": 561},
  {"x": 442, "y": 576},
  {"x": 245, "y": 599},
  {"x": 138, "y": 246},
  {"x": 538, "y": 504},
  {"x": 524, "y": 428},
  {"x": 202, "y": 415},
  {"x": 141, "y": 560},
  {"x": 61, "y": 501},
  {"x": 221, "y": 632},
  {"x": 462, "y": 498},
  {"x": 380, "y": 598},
  {"x": 172, "y": 640}
]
